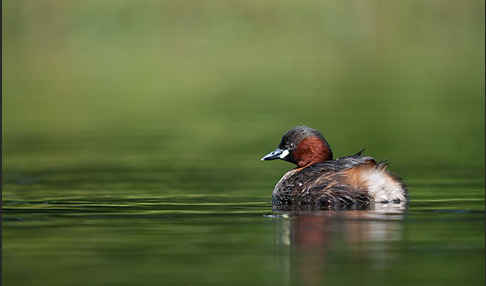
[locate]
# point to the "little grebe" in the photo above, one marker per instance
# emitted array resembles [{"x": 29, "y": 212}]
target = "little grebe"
[{"x": 319, "y": 182}]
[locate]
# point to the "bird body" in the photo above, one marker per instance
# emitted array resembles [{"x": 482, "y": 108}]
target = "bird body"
[{"x": 319, "y": 182}]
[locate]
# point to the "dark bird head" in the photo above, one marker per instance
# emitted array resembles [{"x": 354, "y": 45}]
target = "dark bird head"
[{"x": 302, "y": 146}]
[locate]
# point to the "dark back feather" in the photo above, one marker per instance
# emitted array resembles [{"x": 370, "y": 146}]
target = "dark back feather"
[{"x": 322, "y": 186}]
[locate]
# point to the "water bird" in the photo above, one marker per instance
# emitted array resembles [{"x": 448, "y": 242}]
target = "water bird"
[{"x": 319, "y": 182}]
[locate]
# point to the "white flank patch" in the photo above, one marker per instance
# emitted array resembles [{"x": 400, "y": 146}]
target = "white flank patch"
[
  {"x": 284, "y": 154},
  {"x": 382, "y": 186}
]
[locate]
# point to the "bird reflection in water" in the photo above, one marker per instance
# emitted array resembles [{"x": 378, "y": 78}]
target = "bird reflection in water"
[{"x": 310, "y": 242}]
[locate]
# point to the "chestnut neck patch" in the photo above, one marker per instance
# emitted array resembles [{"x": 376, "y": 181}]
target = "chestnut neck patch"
[{"x": 311, "y": 150}]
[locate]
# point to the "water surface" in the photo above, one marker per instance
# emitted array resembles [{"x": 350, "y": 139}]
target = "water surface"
[{"x": 105, "y": 235}]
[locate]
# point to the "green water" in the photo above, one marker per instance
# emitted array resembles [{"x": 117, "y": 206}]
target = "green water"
[
  {"x": 132, "y": 132},
  {"x": 199, "y": 224},
  {"x": 235, "y": 244},
  {"x": 221, "y": 240}
]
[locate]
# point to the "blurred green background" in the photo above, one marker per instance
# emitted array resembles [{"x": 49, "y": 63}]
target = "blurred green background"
[{"x": 208, "y": 84}]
